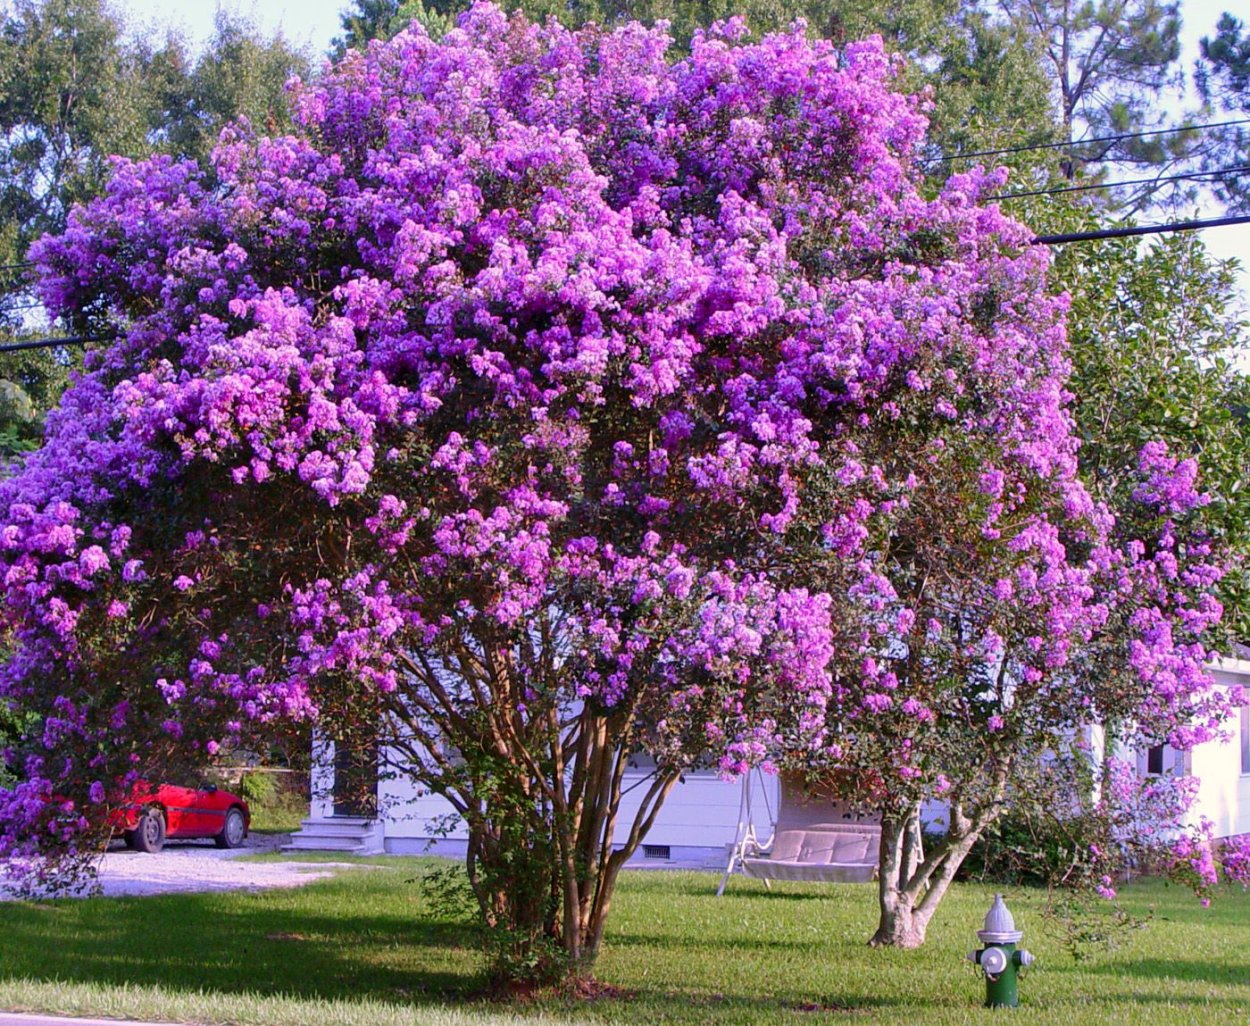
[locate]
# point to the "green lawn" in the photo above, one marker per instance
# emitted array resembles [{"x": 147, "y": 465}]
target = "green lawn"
[{"x": 365, "y": 948}]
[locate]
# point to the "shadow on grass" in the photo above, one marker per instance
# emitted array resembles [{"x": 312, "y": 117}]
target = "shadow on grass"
[
  {"x": 762, "y": 894},
  {"x": 334, "y": 943},
  {"x": 353, "y": 936},
  {"x": 1189, "y": 971},
  {"x": 189, "y": 942},
  {"x": 680, "y": 956},
  {"x": 728, "y": 943}
]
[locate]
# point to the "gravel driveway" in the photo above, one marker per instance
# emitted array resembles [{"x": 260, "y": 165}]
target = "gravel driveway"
[{"x": 199, "y": 866}]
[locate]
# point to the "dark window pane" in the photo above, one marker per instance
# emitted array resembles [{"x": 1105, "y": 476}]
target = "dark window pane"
[{"x": 1154, "y": 760}]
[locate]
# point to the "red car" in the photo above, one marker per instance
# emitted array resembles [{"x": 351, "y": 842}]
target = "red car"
[{"x": 153, "y": 815}]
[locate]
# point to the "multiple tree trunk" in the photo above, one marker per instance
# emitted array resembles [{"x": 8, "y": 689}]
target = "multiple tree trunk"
[
  {"x": 539, "y": 783},
  {"x": 913, "y": 881}
]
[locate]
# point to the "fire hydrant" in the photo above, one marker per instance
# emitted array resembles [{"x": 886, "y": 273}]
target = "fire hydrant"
[{"x": 1000, "y": 959}]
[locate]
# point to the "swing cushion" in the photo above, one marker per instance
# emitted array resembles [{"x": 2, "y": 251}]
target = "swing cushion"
[{"x": 835, "y": 854}]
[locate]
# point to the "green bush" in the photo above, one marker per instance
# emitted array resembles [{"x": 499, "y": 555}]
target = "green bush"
[
  {"x": 257, "y": 788},
  {"x": 1021, "y": 849}
]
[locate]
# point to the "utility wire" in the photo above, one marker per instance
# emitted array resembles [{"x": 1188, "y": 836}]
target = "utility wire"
[
  {"x": 48, "y": 343},
  {"x": 1240, "y": 169},
  {"x": 1084, "y": 142},
  {"x": 1141, "y": 229}
]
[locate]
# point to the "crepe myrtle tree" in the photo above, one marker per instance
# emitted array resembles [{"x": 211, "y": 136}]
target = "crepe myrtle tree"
[
  {"x": 1001, "y": 618},
  {"x": 512, "y": 415}
]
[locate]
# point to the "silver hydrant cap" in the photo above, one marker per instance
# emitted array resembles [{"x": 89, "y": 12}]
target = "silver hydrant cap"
[{"x": 1000, "y": 927}]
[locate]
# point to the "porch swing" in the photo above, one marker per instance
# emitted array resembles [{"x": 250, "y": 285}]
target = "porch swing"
[{"x": 812, "y": 839}]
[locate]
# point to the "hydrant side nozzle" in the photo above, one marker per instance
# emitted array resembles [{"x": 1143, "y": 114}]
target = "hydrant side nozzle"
[
  {"x": 1024, "y": 959},
  {"x": 973, "y": 956}
]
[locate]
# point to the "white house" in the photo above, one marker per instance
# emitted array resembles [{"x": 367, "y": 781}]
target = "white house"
[
  {"x": 1222, "y": 768},
  {"x": 702, "y": 816},
  {"x": 693, "y": 828}
]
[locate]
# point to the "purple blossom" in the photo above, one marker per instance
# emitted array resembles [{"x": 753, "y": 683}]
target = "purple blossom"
[{"x": 547, "y": 356}]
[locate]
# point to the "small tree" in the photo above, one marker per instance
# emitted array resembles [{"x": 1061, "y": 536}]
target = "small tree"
[
  {"x": 1003, "y": 620},
  {"x": 959, "y": 670},
  {"x": 522, "y": 411}
]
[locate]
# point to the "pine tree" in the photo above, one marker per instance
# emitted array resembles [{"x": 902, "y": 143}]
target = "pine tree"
[
  {"x": 1224, "y": 80},
  {"x": 1108, "y": 61}
]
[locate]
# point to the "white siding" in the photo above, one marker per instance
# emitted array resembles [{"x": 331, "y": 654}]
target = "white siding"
[
  {"x": 701, "y": 812},
  {"x": 1223, "y": 790}
]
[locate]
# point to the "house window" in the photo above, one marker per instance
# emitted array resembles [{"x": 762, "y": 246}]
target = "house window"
[
  {"x": 1154, "y": 759},
  {"x": 1245, "y": 739}
]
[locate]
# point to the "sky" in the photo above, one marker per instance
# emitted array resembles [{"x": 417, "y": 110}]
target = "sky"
[{"x": 306, "y": 22}]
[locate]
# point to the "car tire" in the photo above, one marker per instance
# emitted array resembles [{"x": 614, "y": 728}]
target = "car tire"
[
  {"x": 233, "y": 830},
  {"x": 149, "y": 835}
]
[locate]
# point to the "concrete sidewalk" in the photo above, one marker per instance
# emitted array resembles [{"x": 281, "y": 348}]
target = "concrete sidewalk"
[{"x": 22, "y": 1019}]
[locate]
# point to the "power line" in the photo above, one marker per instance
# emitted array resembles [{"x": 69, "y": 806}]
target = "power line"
[
  {"x": 1142, "y": 229},
  {"x": 48, "y": 343},
  {"x": 1155, "y": 180},
  {"x": 1086, "y": 142}
]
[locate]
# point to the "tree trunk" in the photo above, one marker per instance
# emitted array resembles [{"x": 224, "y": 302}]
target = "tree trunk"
[
  {"x": 539, "y": 785},
  {"x": 544, "y": 859},
  {"x": 912, "y": 882},
  {"x": 901, "y": 924},
  {"x": 899, "y": 927}
]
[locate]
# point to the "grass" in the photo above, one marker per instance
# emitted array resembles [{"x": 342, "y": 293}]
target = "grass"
[{"x": 365, "y": 947}]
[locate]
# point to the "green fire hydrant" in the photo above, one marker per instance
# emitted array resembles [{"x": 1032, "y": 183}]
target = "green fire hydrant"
[{"x": 1000, "y": 959}]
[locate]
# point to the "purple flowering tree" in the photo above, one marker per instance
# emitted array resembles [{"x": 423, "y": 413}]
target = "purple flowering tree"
[
  {"x": 1002, "y": 614},
  {"x": 543, "y": 400}
]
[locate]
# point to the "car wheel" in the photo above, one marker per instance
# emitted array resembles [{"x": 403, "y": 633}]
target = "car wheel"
[
  {"x": 233, "y": 831},
  {"x": 149, "y": 835}
]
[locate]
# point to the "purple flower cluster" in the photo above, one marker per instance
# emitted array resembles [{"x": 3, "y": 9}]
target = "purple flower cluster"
[{"x": 541, "y": 359}]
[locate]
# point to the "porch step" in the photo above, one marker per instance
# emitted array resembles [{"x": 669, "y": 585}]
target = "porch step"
[
  {"x": 349, "y": 834},
  {"x": 347, "y": 844},
  {"x": 329, "y": 828}
]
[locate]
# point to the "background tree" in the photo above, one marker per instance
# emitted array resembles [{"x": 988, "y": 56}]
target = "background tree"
[
  {"x": 75, "y": 90},
  {"x": 1156, "y": 335},
  {"x": 239, "y": 73},
  {"x": 1223, "y": 77},
  {"x": 70, "y": 94},
  {"x": 31, "y": 384},
  {"x": 366, "y": 20},
  {"x": 1108, "y": 63}
]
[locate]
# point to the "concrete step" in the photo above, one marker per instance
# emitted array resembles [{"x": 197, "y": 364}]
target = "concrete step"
[
  {"x": 349, "y": 834},
  {"x": 347, "y": 844},
  {"x": 325, "y": 828},
  {"x": 352, "y": 820}
]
